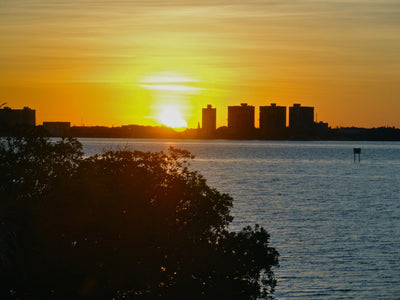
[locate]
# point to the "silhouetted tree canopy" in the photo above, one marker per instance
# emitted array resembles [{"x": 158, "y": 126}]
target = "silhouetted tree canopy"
[{"x": 120, "y": 225}]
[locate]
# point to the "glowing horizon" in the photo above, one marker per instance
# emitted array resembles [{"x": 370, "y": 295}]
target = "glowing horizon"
[
  {"x": 117, "y": 64},
  {"x": 171, "y": 117}
]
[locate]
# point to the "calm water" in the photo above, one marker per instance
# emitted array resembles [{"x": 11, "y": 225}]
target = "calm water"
[{"x": 336, "y": 223}]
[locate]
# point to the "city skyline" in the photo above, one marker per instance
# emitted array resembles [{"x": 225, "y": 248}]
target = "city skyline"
[
  {"x": 129, "y": 62},
  {"x": 235, "y": 117},
  {"x": 258, "y": 116},
  {"x": 241, "y": 126}
]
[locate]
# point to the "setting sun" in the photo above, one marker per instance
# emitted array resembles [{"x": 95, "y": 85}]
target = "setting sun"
[
  {"x": 109, "y": 68},
  {"x": 171, "y": 117}
]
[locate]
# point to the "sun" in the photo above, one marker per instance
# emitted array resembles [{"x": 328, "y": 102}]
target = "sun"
[{"x": 171, "y": 117}]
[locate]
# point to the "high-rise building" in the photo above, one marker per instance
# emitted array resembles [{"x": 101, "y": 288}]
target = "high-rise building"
[
  {"x": 272, "y": 121},
  {"x": 209, "y": 121},
  {"x": 241, "y": 120},
  {"x": 301, "y": 119},
  {"x": 11, "y": 118}
]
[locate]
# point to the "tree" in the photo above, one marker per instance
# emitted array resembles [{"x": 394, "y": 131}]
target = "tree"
[{"x": 120, "y": 225}]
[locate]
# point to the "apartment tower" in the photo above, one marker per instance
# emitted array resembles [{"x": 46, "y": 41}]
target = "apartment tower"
[
  {"x": 209, "y": 121},
  {"x": 272, "y": 121}
]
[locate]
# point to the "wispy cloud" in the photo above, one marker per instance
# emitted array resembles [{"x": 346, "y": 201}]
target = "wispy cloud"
[{"x": 234, "y": 33}]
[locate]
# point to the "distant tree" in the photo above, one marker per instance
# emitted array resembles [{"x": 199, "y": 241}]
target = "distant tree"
[{"x": 120, "y": 225}]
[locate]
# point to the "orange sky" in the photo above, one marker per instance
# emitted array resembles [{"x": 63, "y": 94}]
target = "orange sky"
[{"x": 123, "y": 62}]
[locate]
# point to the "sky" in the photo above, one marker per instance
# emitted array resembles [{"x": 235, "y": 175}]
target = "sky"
[{"x": 120, "y": 62}]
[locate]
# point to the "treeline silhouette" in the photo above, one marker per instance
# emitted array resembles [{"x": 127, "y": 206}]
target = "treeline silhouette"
[
  {"x": 120, "y": 225},
  {"x": 127, "y": 131},
  {"x": 137, "y": 131},
  {"x": 316, "y": 133}
]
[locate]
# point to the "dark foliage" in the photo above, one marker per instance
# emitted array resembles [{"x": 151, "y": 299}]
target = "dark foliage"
[{"x": 121, "y": 225}]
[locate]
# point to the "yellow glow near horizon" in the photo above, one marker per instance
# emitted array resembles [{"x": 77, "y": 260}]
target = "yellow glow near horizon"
[
  {"x": 167, "y": 77},
  {"x": 169, "y": 87},
  {"x": 109, "y": 68},
  {"x": 169, "y": 81},
  {"x": 172, "y": 117},
  {"x": 172, "y": 97}
]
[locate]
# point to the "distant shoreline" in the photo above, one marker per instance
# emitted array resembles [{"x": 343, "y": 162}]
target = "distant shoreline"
[
  {"x": 389, "y": 134},
  {"x": 136, "y": 131}
]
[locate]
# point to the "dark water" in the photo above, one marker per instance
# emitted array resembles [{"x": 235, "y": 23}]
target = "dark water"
[{"x": 336, "y": 223}]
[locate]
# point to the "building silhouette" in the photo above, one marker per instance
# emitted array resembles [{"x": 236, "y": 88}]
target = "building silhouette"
[
  {"x": 272, "y": 121},
  {"x": 301, "y": 120},
  {"x": 58, "y": 129},
  {"x": 241, "y": 120},
  {"x": 11, "y": 119},
  {"x": 209, "y": 121}
]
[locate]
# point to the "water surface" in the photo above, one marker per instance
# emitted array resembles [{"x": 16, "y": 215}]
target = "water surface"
[{"x": 336, "y": 223}]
